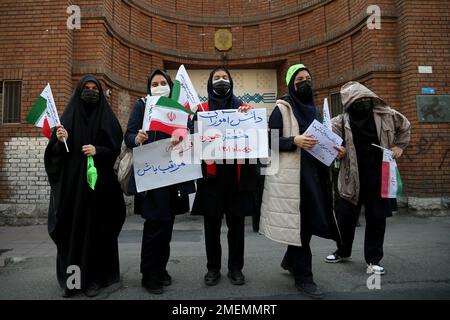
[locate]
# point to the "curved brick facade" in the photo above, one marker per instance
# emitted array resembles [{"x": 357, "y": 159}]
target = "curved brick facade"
[{"x": 122, "y": 40}]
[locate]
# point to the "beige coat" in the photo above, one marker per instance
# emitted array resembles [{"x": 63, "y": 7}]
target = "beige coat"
[
  {"x": 280, "y": 209},
  {"x": 392, "y": 127}
]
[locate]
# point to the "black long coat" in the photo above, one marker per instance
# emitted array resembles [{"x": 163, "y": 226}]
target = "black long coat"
[
  {"x": 225, "y": 193},
  {"x": 162, "y": 203}
]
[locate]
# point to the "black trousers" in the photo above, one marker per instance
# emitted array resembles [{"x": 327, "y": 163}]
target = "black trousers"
[
  {"x": 236, "y": 228},
  {"x": 348, "y": 214},
  {"x": 155, "y": 250},
  {"x": 300, "y": 258}
]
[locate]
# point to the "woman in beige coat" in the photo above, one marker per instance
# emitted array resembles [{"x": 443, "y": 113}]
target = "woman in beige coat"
[
  {"x": 297, "y": 202},
  {"x": 366, "y": 120}
]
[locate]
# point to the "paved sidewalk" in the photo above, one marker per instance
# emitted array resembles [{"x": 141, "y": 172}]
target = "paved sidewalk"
[{"x": 416, "y": 260}]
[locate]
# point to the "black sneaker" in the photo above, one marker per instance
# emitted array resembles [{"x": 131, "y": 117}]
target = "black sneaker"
[
  {"x": 165, "y": 278},
  {"x": 335, "y": 258},
  {"x": 287, "y": 267},
  {"x": 310, "y": 289},
  {"x": 236, "y": 277},
  {"x": 152, "y": 284},
  {"x": 93, "y": 290},
  {"x": 212, "y": 277}
]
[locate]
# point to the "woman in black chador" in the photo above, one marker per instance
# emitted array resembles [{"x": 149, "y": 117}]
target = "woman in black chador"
[{"x": 84, "y": 222}]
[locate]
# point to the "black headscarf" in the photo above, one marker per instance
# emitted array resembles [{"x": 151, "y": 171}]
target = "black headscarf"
[
  {"x": 228, "y": 101},
  {"x": 161, "y": 73},
  {"x": 87, "y": 123},
  {"x": 306, "y": 110}
]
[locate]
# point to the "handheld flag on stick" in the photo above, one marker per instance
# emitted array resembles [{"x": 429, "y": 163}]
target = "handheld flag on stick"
[
  {"x": 44, "y": 115},
  {"x": 164, "y": 114},
  {"x": 184, "y": 92},
  {"x": 91, "y": 173},
  {"x": 391, "y": 182}
]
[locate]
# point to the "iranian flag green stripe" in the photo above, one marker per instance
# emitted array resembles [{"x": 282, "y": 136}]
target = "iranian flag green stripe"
[
  {"x": 176, "y": 90},
  {"x": 167, "y": 103},
  {"x": 37, "y": 111},
  {"x": 399, "y": 183}
]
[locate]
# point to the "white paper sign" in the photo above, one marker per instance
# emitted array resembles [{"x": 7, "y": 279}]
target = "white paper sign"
[
  {"x": 324, "y": 150},
  {"x": 160, "y": 164},
  {"x": 229, "y": 134}
]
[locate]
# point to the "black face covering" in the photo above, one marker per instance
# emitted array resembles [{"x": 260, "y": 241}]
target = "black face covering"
[
  {"x": 90, "y": 96},
  {"x": 222, "y": 87},
  {"x": 363, "y": 124},
  {"x": 226, "y": 101},
  {"x": 361, "y": 108},
  {"x": 304, "y": 91}
]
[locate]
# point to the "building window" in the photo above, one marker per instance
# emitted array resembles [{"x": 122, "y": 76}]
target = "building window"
[
  {"x": 336, "y": 104},
  {"x": 11, "y": 95}
]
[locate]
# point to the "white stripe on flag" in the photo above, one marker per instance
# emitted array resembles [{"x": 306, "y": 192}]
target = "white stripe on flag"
[
  {"x": 326, "y": 115},
  {"x": 169, "y": 116},
  {"x": 188, "y": 94},
  {"x": 150, "y": 102},
  {"x": 52, "y": 112}
]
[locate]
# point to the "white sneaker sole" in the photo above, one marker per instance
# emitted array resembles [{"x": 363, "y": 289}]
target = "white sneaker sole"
[
  {"x": 371, "y": 271},
  {"x": 338, "y": 260}
]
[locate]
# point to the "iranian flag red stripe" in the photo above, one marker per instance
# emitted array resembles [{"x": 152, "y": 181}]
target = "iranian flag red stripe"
[
  {"x": 157, "y": 125},
  {"x": 385, "y": 169},
  {"x": 46, "y": 130}
]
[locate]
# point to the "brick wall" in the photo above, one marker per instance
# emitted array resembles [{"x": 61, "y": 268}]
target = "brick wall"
[
  {"x": 36, "y": 48},
  {"x": 424, "y": 39},
  {"x": 28, "y": 197},
  {"x": 121, "y": 41}
]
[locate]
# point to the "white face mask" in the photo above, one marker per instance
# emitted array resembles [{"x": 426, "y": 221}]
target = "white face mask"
[{"x": 162, "y": 91}]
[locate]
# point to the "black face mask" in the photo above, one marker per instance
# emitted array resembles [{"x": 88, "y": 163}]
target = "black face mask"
[
  {"x": 90, "y": 96},
  {"x": 222, "y": 87},
  {"x": 361, "y": 108},
  {"x": 304, "y": 90}
]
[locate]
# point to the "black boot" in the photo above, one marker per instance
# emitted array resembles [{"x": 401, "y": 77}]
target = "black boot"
[
  {"x": 236, "y": 277},
  {"x": 152, "y": 284},
  {"x": 67, "y": 293},
  {"x": 93, "y": 290},
  {"x": 212, "y": 277},
  {"x": 165, "y": 278},
  {"x": 310, "y": 289}
]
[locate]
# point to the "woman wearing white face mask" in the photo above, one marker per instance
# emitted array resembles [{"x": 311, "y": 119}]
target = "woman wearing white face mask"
[
  {"x": 159, "y": 206},
  {"x": 160, "y": 87}
]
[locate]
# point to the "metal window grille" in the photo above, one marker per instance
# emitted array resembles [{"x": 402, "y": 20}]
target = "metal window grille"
[
  {"x": 336, "y": 104},
  {"x": 11, "y": 96}
]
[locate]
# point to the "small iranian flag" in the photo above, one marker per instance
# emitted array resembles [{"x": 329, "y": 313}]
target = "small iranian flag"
[
  {"x": 43, "y": 114},
  {"x": 165, "y": 115},
  {"x": 391, "y": 183},
  {"x": 184, "y": 92}
]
